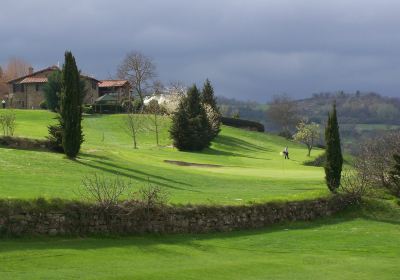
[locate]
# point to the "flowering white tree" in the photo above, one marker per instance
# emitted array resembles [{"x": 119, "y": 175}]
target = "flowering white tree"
[{"x": 308, "y": 134}]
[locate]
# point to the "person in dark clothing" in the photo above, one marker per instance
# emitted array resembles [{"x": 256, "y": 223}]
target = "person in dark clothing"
[{"x": 286, "y": 152}]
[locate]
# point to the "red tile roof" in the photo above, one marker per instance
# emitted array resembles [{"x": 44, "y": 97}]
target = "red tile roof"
[
  {"x": 35, "y": 73},
  {"x": 112, "y": 83},
  {"x": 30, "y": 80}
]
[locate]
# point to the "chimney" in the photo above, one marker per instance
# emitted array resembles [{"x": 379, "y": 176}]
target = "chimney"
[{"x": 30, "y": 70}]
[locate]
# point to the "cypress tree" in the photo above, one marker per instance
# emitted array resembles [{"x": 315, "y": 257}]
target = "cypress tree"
[
  {"x": 71, "y": 107},
  {"x": 334, "y": 158},
  {"x": 190, "y": 127}
]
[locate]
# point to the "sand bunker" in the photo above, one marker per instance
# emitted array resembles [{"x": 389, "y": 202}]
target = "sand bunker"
[{"x": 184, "y": 163}]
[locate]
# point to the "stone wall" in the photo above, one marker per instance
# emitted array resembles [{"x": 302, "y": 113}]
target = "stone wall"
[{"x": 74, "y": 218}]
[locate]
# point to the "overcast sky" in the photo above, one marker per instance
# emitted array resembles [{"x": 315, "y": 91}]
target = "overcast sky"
[{"x": 248, "y": 49}]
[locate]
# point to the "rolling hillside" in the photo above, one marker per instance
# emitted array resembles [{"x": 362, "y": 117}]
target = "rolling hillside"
[
  {"x": 248, "y": 166},
  {"x": 358, "y": 244}
]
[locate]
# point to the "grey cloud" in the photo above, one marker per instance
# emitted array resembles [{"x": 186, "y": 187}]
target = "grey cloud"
[{"x": 249, "y": 49}]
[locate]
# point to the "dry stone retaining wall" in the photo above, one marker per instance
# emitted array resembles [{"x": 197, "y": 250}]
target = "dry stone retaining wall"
[{"x": 73, "y": 218}]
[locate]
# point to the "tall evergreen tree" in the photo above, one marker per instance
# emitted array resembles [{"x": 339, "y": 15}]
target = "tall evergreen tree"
[
  {"x": 52, "y": 91},
  {"x": 334, "y": 158},
  {"x": 207, "y": 96},
  {"x": 71, "y": 107},
  {"x": 210, "y": 104},
  {"x": 190, "y": 127}
]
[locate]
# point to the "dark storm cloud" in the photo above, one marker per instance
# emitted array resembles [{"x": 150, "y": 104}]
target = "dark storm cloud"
[{"x": 249, "y": 49}]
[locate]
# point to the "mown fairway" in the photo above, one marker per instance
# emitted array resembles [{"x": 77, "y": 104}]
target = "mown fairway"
[
  {"x": 360, "y": 244},
  {"x": 356, "y": 245},
  {"x": 251, "y": 168}
]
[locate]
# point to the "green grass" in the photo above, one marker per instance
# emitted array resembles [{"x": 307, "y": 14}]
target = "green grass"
[
  {"x": 252, "y": 168},
  {"x": 359, "y": 245}
]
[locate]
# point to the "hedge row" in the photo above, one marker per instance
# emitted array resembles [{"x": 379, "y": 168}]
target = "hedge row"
[
  {"x": 245, "y": 124},
  {"x": 25, "y": 143}
]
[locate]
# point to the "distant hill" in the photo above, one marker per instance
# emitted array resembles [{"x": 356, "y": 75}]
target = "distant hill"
[
  {"x": 361, "y": 115},
  {"x": 353, "y": 108}
]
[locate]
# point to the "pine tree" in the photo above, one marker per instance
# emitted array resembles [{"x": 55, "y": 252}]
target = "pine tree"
[
  {"x": 210, "y": 104},
  {"x": 190, "y": 127},
  {"x": 207, "y": 96},
  {"x": 334, "y": 158},
  {"x": 71, "y": 107}
]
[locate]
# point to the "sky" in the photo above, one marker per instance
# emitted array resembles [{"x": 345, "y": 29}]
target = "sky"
[{"x": 250, "y": 50}]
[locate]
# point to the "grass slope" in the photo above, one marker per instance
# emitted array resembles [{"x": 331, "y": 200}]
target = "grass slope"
[
  {"x": 361, "y": 245},
  {"x": 253, "y": 169}
]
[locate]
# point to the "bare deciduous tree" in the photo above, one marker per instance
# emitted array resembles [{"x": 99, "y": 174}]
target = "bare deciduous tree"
[
  {"x": 139, "y": 70},
  {"x": 105, "y": 191},
  {"x": 155, "y": 122},
  {"x": 158, "y": 87},
  {"x": 16, "y": 67},
  {"x": 133, "y": 124},
  {"x": 177, "y": 87},
  {"x": 3, "y": 84},
  {"x": 153, "y": 196},
  {"x": 375, "y": 159},
  {"x": 283, "y": 111}
]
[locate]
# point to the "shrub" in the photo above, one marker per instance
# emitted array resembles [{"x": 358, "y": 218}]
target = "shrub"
[
  {"x": 286, "y": 134},
  {"x": 55, "y": 137},
  {"x": 354, "y": 183},
  {"x": 7, "y": 122},
  {"x": 152, "y": 196},
  {"x": 319, "y": 161},
  {"x": 394, "y": 185},
  {"x": 43, "y": 105},
  {"x": 137, "y": 105},
  {"x": 104, "y": 191},
  {"x": 88, "y": 109}
]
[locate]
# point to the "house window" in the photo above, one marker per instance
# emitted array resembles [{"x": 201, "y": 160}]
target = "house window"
[
  {"x": 37, "y": 87},
  {"x": 18, "y": 88},
  {"x": 94, "y": 84}
]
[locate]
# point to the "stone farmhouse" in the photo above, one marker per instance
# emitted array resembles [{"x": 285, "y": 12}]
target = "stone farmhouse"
[
  {"x": 118, "y": 89},
  {"x": 27, "y": 92}
]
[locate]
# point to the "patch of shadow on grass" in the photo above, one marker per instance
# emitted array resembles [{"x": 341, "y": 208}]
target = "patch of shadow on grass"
[
  {"x": 89, "y": 155},
  {"x": 232, "y": 142},
  {"x": 148, "y": 175},
  {"x": 150, "y": 242},
  {"x": 150, "y": 178}
]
